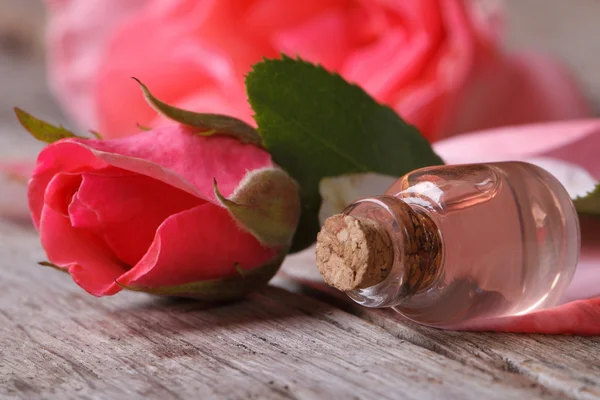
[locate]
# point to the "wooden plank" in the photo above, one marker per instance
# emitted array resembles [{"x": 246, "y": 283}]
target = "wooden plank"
[
  {"x": 58, "y": 342},
  {"x": 568, "y": 364}
]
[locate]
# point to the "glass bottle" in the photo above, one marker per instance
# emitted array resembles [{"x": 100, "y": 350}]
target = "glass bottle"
[{"x": 447, "y": 245}]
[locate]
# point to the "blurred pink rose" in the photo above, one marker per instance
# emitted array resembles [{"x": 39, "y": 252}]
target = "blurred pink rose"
[{"x": 436, "y": 62}]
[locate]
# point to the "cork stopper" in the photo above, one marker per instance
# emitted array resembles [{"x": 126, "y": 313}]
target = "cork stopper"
[{"x": 353, "y": 252}]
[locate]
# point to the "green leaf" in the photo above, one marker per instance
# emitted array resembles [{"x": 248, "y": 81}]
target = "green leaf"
[
  {"x": 590, "y": 203},
  {"x": 232, "y": 288},
  {"x": 42, "y": 130},
  {"x": 208, "y": 124},
  {"x": 267, "y": 204},
  {"x": 316, "y": 125}
]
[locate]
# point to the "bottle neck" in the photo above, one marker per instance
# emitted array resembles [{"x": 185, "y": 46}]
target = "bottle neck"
[{"x": 380, "y": 251}]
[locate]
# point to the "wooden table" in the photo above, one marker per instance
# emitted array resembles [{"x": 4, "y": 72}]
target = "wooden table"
[
  {"x": 291, "y": 340},
  {"x": 56, "y": 341}
]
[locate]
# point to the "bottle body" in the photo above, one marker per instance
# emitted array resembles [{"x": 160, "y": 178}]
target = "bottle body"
[{"x": 508, "y": 238}]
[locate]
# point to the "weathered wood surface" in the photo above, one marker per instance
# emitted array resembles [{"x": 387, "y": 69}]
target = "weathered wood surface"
[
  {"x": 567, "y": 364},
  {"x": 58, "y": 342},
  {"x": 291, "y": 341}
]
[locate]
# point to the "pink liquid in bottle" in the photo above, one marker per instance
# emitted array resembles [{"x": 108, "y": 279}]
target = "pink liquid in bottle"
[{"x": 466, "y": 242}]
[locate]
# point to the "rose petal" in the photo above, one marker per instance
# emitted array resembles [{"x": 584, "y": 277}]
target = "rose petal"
[
  {"x": 126, "y": 209},
  {"x": 185, "y": 161},
  {"x": 267, "y": 16},
  {"x": 307, "y": 39},
  {"x": 526, "y": 88},
  {"x": 577, "y": 142},
  {"x": 60, "y": 157},
  {"x": 78, "y": 32},
  {"x": 190, "y": 244},
  {"x": 85, "y": 256},
  {"x": 60, "y": 192},
  {"x": 578, "y": 317},
  {"x": 196, "y": 160},
  {"x": 380, "y": 67},
  {"x": 179, "y": 24}
]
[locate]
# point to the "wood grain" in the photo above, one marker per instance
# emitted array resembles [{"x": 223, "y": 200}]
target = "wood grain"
[
  {"x": 58, "y": 342},
  {"x": 567, "y": 364},
  {"x": 564, "y": 363}
]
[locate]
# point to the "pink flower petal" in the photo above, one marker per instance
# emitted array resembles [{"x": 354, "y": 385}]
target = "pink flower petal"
[
  {"x": 126, "y": 209},
  {"x": 437, "y": 57},
  {"x": 380, "y": 68},
  {"x": 194, "y": 160},
  {"x": 578, "y": 318},
  {"x": 267, "y": 16},
  {"x": 61, "y": 157},
  {"x": 185, "y": 161},
  {"x": 307, "y": 39},
  {"x": 85, "y": 256},
  {"x": 526, "y": 89},
  {"x": 577, "y": 142},
  {"x": 179, "y": 23},
  {"x": 195, "y": 245},
  {"x": 78, "y": 32},
  {"x": 60, "y": 192}
]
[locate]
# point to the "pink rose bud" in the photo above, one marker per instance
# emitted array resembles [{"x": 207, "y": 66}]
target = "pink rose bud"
[{"x": 177, "y": 210}]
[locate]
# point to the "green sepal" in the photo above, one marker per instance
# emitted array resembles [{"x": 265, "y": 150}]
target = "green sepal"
[
  {"x": 143, "y": 128},
  {"x": 42, "y": 130},
  {"x": 267, "y": 204},
  {"x": 96, "y": 135},
  {"x": 51, "y": 265},
  {"x": 207, "y": 124},
  {"x": 590, "y": 203},
  {"x": 226, "y": 289}
]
